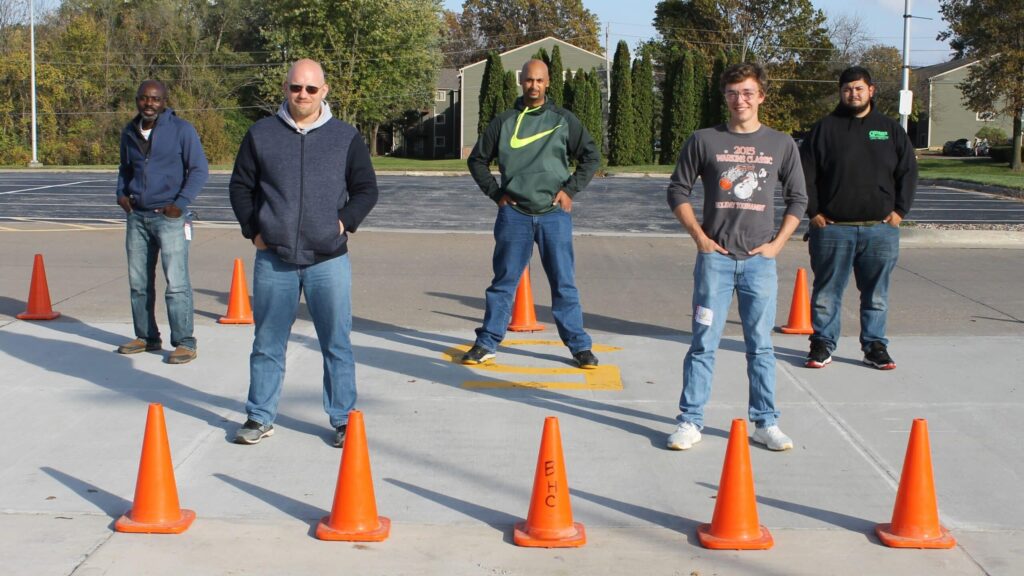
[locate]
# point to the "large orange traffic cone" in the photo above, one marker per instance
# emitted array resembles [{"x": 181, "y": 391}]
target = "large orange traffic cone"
[
  {"x": 155, "y": 509},
  {"x": 354, "y": 513},
  {"x": 800, "y": 309},
  {"x": 524, "y": 319},
  {"x": 734, "y": 525},
  {"x": 915, "y": 518},
  {"x": 549, "y": 522},
  {"x": 38, "y": 295},
  {"x": 239, "y": 311}
]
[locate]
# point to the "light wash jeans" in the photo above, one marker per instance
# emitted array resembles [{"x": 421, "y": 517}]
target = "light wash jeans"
[
  {"x": 755, "y": 281},
  {"x": 514, "y": 236},
  {"x": 871, "y": 252},
  {"x": 277, "y": 286},
  {"x": 146, "y": 235}
]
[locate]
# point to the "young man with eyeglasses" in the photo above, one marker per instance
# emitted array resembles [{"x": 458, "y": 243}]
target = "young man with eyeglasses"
[
  {"x": 861, "y": 176},
  {"x": 739, "y": 163},
  {"x": 302, "y": 182},
  {"x": 161, "y": 171}
]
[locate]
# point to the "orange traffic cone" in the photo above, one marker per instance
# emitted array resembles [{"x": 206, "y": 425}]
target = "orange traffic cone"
[
  {"x": 523, "y": 317},
  {"x": 239, "y": 311},
  {"x": 38, "y": 295},
  {"x": 800, "y": 309},
  {"x": 734, "y": 525},
  {"x": 354, "y": 513},
  {"x": 915, "y": 518},
  {"x": 549, "y": 522},
  {"x": 155, "y": 509}
]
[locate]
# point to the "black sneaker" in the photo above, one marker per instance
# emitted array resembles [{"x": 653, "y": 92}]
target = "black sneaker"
[
  {"x": 819, "y": 355},
  {"x": 877, "y": 356},
  {"x": 585, "y": 359},
  {"x": 477, "y": 355},
  {"x": 252, "y": 432},
  {"x": 339, "y": 435}
]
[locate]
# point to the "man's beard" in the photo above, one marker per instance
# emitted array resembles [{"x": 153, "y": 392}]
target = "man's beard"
[{"x": 847, "y": 110}]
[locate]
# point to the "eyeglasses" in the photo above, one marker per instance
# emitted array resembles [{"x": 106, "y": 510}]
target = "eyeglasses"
[
  {"x": 296, "y": 88},
  {"x": 746, "y": 94}
]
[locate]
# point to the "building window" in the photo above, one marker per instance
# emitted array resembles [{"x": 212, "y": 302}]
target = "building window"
[
  {"x": 440, "y": 119},
  {"x": 438, "y": 141},
  {"x": 440, "y": 95},
  {"x": 987, "y": 116}
]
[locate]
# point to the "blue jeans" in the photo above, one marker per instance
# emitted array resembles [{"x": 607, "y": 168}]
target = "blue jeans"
[
  {"x": 871, "y": 252},
  {"x": 514, "y": 235},
  {"x": 146, "y": 235},
  {"x": 277, "y": 286},
  {"x": 755, "y": 281}
]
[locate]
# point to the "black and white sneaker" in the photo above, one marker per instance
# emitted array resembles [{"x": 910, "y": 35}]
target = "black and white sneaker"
[
  {"x": 585, "y": 359},
  {"x": 477, "y": 355},
  {"x": 252, "y": 432},
  {"x": 876, "y": 355},
  {"x": 819, "y": 356},
  {"x": 339, "y": 436}
]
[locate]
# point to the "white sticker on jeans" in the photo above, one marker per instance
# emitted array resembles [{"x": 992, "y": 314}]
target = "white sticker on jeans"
[
  {"x": 704, "y": 316},
  {"x": 188, "y": 231}
]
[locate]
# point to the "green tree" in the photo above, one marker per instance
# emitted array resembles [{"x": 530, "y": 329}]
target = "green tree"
[
  {"x": 492, "y": 92},
  {"x": 584, "y": 90},
  {"x": 621, "y": 125},
  {"x": 542, "y": 55},
  {"x": 700, "y": 90},
  {"x": 643, "y": 104},
  {"x": 511, "y": 91},
  {"x": 716, "y": 111},
  {"x": 990, "y": 31},
  {"x": 556, "y": 90},
  {"x": 677, "y": 107},
  {"x": 505, "y": 24}
]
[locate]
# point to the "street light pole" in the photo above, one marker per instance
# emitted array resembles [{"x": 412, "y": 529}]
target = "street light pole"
[
  {"x": 905, "y": 107},
  {"x": 32, "y": 42}
]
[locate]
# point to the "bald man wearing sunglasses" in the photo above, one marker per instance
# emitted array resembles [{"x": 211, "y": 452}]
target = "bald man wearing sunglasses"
[{"x": 302, "y": 183}]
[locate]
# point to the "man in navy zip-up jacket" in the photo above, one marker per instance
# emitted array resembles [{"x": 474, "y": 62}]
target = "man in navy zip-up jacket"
[
  {"x": 161, "y": 172},
  {"x": 302, "y": 182}
]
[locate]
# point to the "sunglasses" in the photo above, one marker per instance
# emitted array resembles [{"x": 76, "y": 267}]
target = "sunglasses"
[{"x": 296, "y": 88}]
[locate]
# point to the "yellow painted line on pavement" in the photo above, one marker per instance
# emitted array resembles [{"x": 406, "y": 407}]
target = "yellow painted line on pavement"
[{"x": 604, "y": 377}]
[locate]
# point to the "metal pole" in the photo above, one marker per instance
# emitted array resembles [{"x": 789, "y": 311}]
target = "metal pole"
[
  {"x": 607, "y": 63},
  {"x": 32, "y": 43},
  {"x": 906, "y": 56}
]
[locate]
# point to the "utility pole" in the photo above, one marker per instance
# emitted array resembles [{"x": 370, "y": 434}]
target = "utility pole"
[
  {"x": 607, "y": 64},
  {"x": 906, "y": 96},
  {"x": 32, "y": 42}
]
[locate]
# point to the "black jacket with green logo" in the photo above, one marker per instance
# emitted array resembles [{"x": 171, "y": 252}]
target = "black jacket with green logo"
[
  {"x": 858, "y": 169},
  {"x": 534, "y": 147}
]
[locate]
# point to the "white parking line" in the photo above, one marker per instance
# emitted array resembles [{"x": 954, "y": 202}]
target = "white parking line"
[{"x": 50, "y": 186}]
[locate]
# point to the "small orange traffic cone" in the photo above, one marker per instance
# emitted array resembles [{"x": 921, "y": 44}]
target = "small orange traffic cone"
[
  {"x": 155, "y": 509},
  {"x": 800, "y": 309},
  {"x": 524, "y": 319},
  {"x": 239, "y": 311},
  {"x": 38, "y": 295},
  {"x": 549, "y": 522},
  {"x": 354, "y": 513},
  {"x": 734, "y": 525},
  {"x": 915, "y": 518}
]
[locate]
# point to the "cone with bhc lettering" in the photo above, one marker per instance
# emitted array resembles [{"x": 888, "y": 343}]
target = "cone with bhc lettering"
[
  {"x": 239, "y": 310},
  {"x": 524, "y": 317},
  {"x": 155, "y": 509},
  {"x": 39, "y": 307},
  {"x": 549, "y": 522},
  {"x": 800, "y": 308},
  {"x": 734, "y": 525},
  {"x": 915, "y": 517}
]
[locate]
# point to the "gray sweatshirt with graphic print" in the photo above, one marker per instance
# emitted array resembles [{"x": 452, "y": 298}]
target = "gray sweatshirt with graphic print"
[{"x": 739, "y": 173}]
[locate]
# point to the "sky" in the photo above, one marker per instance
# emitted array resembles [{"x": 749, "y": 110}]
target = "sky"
[{"x": 883, "y": 19}]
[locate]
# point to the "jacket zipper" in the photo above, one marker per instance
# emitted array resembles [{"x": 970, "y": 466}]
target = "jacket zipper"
[{"x": 302, "y": 186}]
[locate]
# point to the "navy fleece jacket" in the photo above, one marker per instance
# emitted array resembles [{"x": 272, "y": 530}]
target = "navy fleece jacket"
[{"x": 172, "y": 172}]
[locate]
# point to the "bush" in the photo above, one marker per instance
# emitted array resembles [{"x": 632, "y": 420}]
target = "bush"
[
  {"x": 996, "y": 136},
  {"x": 1002, "y": 153}
]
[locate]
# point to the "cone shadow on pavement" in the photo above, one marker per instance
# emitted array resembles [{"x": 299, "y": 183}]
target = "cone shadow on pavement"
[
  {"x": 39, "y": 307},
  {"x": 734, "y": 525},
  {"x": 239, "y": 309},
  {"x": 155, "y": 509},
  {"x": 549, "y": 523},
  {"x": 800, "y": 308},
  {"x": 915, "y": 517}
]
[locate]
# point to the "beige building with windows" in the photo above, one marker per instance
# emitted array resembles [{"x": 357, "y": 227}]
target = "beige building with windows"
[{"x": 944, "y": 116}]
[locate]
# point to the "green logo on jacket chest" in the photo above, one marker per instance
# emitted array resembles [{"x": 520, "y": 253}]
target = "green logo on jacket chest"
[{"x": 878, "y": 135}]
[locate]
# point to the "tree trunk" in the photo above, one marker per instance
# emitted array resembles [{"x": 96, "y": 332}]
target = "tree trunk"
[
  {"x": 1015, "y": 163},
  {"x": 374, "y": 127}
]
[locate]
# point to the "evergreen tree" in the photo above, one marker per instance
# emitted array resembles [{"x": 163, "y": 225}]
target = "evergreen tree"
[
  {"x": 621, "y": 126},
  {"x": 689, "y": 118},
  {"x": 716, "y": 111},
  {"x": 593, "y": 117},
  {"x": 492, "y": 92},
  {"x": 570, "y": 89},
  {"x": 556, "y": 90},
  {"x": 668, "y": 100},
  {"x": 700, "y": 90},
  {"x": 542, "y": 54},
  {"x": 511, "y": 91},
  {"x": 643, "y": 104}
]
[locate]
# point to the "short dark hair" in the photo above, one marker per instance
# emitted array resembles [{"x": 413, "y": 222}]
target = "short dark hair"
[
  {"x": 151, "y": 82},
  {"x": 739, "y": 72},
  {"x": 854, "y": 73}
]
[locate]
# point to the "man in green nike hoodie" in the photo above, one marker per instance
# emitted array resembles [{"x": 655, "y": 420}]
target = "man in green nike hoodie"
[{"x": 533, "y": 143}]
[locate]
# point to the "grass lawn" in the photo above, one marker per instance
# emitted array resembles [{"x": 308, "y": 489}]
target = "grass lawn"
[
  {"x": 410, "y": 164},
  {"x": 979, "y": 170}
]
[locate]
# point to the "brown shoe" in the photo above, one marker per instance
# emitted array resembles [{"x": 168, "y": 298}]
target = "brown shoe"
[
  {"x": 138, "y": 345},
  {"x": 181, "y": 355}
]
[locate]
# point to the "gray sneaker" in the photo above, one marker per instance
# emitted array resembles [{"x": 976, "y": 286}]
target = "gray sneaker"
[
  {"x": 339, "y": 436},
  {"x": 686, "y": 435},
  {"x": 252, "y": 432}
]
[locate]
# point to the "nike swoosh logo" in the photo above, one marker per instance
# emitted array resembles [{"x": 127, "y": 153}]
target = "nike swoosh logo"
[{"x": 517, "y": 142}]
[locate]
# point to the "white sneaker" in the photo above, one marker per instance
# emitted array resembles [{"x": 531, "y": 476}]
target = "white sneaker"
[
  {"x": 772, "y": 438},
  {"x": 686, "y": 435}
]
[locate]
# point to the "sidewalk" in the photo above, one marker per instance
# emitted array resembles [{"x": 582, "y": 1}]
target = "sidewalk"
[{"x": 453, "y": 465}]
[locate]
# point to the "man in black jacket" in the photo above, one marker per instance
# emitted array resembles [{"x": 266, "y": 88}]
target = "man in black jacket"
[
  {"x": 302, "y": 183},
  {"x": 861, "y": 176}
]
